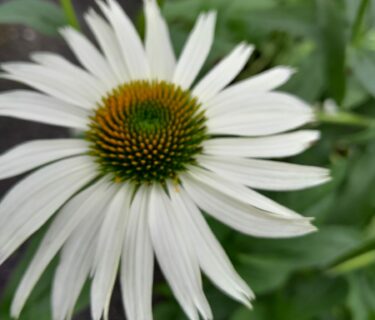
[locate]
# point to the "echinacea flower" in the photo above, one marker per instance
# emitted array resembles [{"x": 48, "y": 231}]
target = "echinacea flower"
[{"x": 156, "y": 149}]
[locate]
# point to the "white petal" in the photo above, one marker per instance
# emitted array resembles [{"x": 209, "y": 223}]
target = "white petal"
[
  {"x": 159, "y": 48},
  {"x": 266, "y": 81},
  {"x": 128, "y": 39},
  {"x": 283, "y": 145},
  {"x": 57, "y": 62},
  {"x": 137, "y": 266},
  {"x": 264, "y": 114},
  {"x": 53, "y": 82},
  {"x": 35, "y": 199},
  {"x": 223, "y": 74},
  {"x": 176, "y": 255},
  {"x": 38, "y": 107},
  {"x": 196, "y": 51},
  {"x": 241, "y": 193},
  {"x": 61, "y": 228},
  {"x": 77, "y": 259},
  {"x": 258, "y": 123},
  {"x": 89, "y": 56},
  {"x": 211, "y": 255},
  {"x": 267, "y": 102},
  {"x": 33, "y": 154},
  {"x": 106, "y": 38},
  {"x": 266, "y": 175},
  {"x": 242, "y": 217},
  {"x": 108, "y": 252}
]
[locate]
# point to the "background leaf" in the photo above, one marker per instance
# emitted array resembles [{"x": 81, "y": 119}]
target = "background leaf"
[{"x": 42, "y": 15}]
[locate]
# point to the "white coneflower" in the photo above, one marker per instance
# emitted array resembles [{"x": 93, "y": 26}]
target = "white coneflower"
[{"x": 156, "y": 149}]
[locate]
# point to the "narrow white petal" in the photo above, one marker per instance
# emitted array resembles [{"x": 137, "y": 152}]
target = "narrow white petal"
[
  {"x": 211, "y": 255},
  {"x": 137, "y": 265},
  {"x": 159, "y": 48},
  {"x": 128, "y": 39},
  {"x": 242, "y": 217},
  {"x": 264, "y": 82},
  {"x": 196, "y": 51},
  {"x": 264, "y": 114},
  {"x": 266, "y": 175},
  {"x": 57, "y": 62},
  {"x": 263, "y": 101},
  {"x": 108, "y": 252},
  {"x": 176, "y": 255},
  {"x": 77, "y": 258},
  {"x": 62, "y": 227},
  {"x": 108, "y": 43},
  {"x": 258, "y": 123},
  {"x": 35, "y": 199},
  {"x": 53, "y": 82},
  {"x": 33, "y": 154},
  {"x": 89, "y": 56},
  {"x": 241, "y": 193},
  {"x": 33, "y": 106},
  {"x": 223, "y": 74},
  {"x": 279, "y": 146}
]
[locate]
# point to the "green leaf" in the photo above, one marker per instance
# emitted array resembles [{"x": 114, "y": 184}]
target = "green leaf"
[
  {"x": 359, "y": 257},
  {"x": 260, "y": 258},
  {"x": 309, "y": 81},
  {"x": 296, "y": 20},
  {"x": 363, "y": 64},
  {"x": 41, "y": 15},
  {"x": 333, "y": 41},
  {"x": 361, "y": 299}
]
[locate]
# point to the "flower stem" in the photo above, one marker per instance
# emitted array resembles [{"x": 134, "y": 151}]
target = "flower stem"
[
  {"x": 70, "y": 13},
  {"x": 358, "y": 23},
  {"x": 345, "y": 118}
]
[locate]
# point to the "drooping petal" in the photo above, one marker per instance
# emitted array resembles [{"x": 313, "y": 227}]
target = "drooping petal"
[
  {"x": 57, "y": 62},
  {"x": 241, "y": 193},
  {"x": 279, "y": 146},
  {"x": 108, "y": 252},
  {"x": 223, "y": 74},
  {"x": 128, "y": 39},
  {"x": 30, "y": 155},
  {"x": 52, "y": 82},
  {"x": 176, "y": 256},
  {"x": 266, "y": 175},
  {"x": 108, "y": 43},
  {"x": 60, "y": 230},
  {"x": 35, "y": 199},
  {"x": 196, "y": 51},
  {"x": 77, "y": 259},
  {"x": 89, "y": 57},
  {"x": 243, "y": 217},
  {"x": 264, "y": 82},
  {"x": 137, "y": 264},
  {"x": 264, "y": 114},
  {"x": 159, "y": 48},
  {"x": 33, "y": 106},
  {"x": 211, "y": 255}
]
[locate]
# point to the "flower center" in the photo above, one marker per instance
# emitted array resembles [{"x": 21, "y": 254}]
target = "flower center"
[{"x": 147, "y": 131}]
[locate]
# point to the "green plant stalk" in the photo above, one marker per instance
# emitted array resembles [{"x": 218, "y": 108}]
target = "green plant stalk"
[
  {"x": 356, "y": 263},
  {"x": 345, "y": 118},
  {"x": 70, "y": 13},
  {"x": 358, "y": 24}
]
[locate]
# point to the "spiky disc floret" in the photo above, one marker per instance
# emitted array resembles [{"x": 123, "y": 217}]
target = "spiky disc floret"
[{"x": 147, "y": 131}]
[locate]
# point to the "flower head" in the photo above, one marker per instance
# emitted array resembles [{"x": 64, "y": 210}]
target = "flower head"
[{"x": 157, "y": 147}]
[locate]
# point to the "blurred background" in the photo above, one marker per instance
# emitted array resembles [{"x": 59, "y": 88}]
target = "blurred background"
[{"x": 329, "y": 275}]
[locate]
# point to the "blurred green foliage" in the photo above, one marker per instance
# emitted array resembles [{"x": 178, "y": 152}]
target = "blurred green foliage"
[
  {"x": 329, "y": 275},
  {"x": 42, "y": 15}
]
